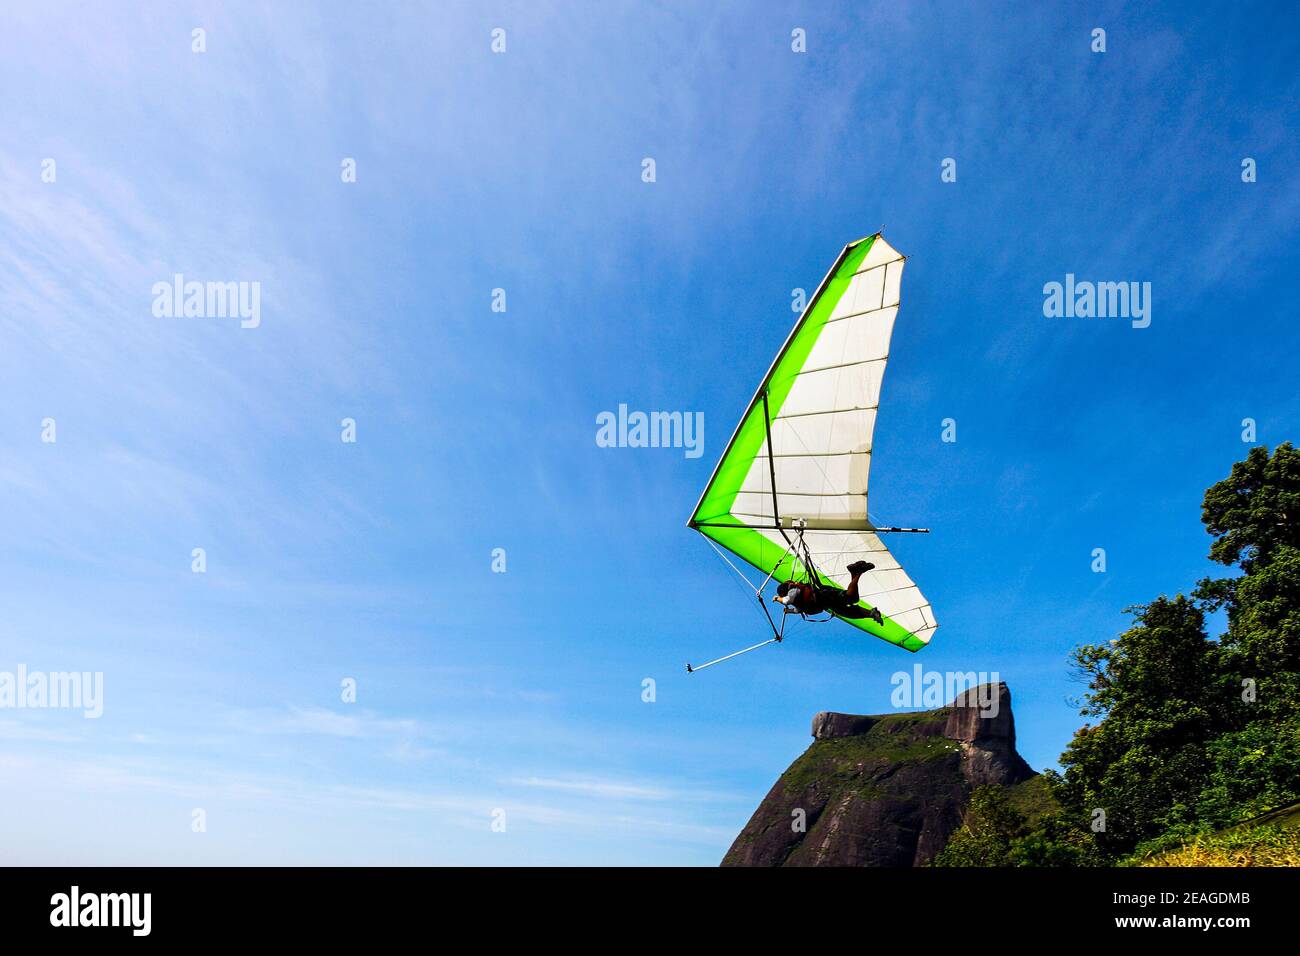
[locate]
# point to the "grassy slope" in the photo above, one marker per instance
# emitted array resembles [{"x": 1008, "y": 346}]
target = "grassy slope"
[
  {"x": 1033, "y": 798},
  {"x": 891, "y": 740},
  {"x": 1258, "y": 846},
  {"x": 1270, "y": 840}
]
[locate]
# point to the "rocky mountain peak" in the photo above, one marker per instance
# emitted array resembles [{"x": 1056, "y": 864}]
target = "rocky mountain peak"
[{"x": 884, "y": 790}]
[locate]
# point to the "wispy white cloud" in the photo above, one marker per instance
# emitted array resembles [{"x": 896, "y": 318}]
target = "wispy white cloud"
[
  {"x": 25, "y": 730},
  {"x": 400, "y": 739},
  {"x": 596, "y": 788},
  {"x": 425, "y": 809}
]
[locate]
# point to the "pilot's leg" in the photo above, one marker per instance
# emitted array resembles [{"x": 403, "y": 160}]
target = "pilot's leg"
[{"x": 857, "y": 569}]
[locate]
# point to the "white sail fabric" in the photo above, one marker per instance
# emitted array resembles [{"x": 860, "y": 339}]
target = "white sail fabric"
[{"x": 821, "y": 445}]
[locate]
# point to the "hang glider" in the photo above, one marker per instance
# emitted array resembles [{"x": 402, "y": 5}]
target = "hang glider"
[{"x": 789, "y": 495}]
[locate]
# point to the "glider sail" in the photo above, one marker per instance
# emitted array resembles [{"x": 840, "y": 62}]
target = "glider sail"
[{"x": 801, "y": 454}]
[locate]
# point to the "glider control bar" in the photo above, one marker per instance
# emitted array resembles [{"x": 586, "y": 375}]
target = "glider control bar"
[{"x": 754, "y": 647}]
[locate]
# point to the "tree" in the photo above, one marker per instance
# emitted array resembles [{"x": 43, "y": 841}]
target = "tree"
[
  {"x": 989, "y": 826},
  {"x": 1144, "y": 765},
  {"x": 1256, "y": 509},
  {"x": 1254, "y": 516},
  {"x": 1197, "y": 734}
]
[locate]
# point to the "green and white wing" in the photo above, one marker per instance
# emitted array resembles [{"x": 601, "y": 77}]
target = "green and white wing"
[{"x": 821, "y": 395}]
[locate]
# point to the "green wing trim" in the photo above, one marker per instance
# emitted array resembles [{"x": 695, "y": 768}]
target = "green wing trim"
[{"x": 720, "y": 495}]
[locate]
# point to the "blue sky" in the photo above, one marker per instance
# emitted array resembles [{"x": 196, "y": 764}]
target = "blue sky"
[{"x": 476, "y": 430}]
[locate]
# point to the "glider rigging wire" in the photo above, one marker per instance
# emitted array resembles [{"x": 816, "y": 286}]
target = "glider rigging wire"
[{"x": 800, "y": 457}]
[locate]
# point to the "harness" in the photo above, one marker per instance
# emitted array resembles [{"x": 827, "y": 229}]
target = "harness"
[{"x": 812, "y": 592}]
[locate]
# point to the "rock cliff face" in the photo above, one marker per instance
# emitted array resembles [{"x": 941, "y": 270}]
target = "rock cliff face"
[{"x": 885, "y": 790}]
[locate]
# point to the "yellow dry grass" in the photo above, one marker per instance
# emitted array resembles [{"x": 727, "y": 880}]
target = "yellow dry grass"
[{"x": 1259, "y": 846}]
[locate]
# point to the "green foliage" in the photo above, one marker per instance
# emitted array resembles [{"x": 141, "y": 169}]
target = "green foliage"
[
  {"x": 995, "y": 832},
  {"x": 1034, "y": 797},
  {"x": 988, "y": 828},
  {"x": 1056, "y": 841},
  {"x": 893, "y": 738},
  {"x": 1249, "y": 846},
  {"x": 1254, "y": 515},
  {"x": 1173, "y": 839},
  {"x": 1255, "y": 509},
  {"x": 1194, "y": 734},
  {"x": 1145, "y": 763},
  {"x": 1263, "y": 638},
  {"x": 1254, "y": 770}
]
